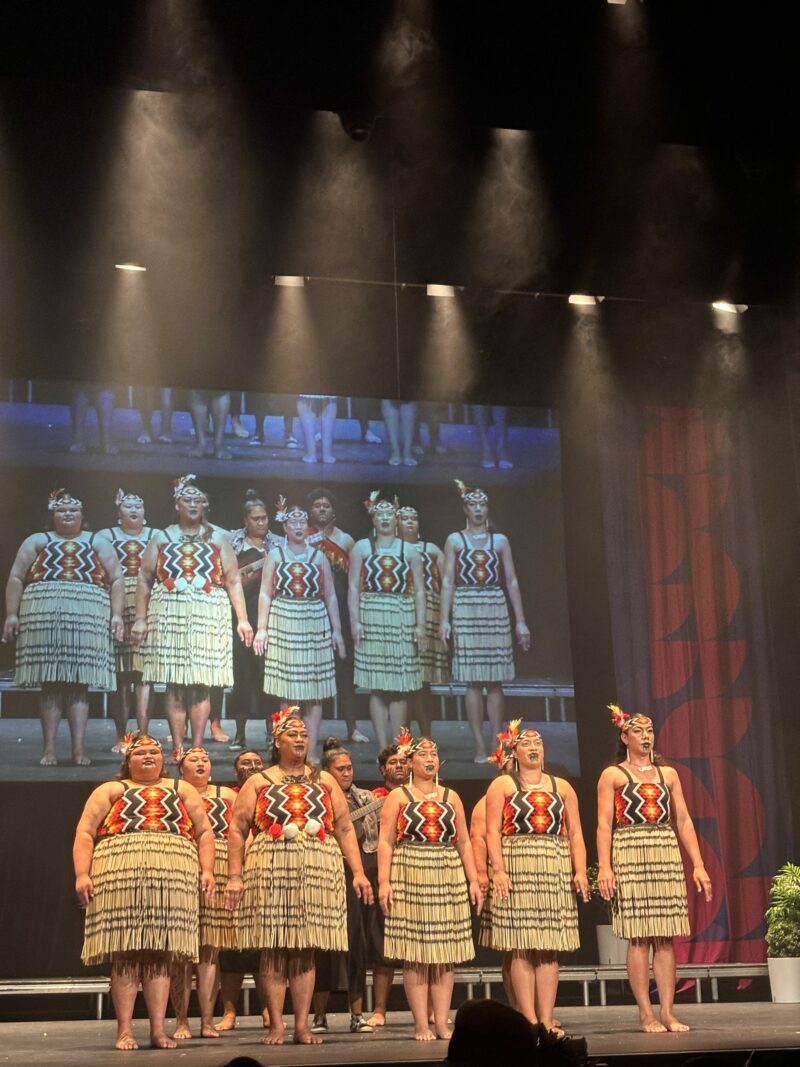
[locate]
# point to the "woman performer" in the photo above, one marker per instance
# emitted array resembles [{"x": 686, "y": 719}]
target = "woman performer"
[
  {"x": 538, "y": 857},
  {"x": 477, "y": 564},
  {"x": 364, "y": 810},
  {"x": 64, "y": 601},
  {"x": 431, "y": 651},
  {"x": 387, "y": 615},
  {"x": 251, "y": 544},
  {"x": 426, "y": 879},
  {"x": 298, "y": 622},
  {"x": 187, "y": 579},
  {"x": 640, "y": 867},
  {"x": 129, "y": 538},
  {"x": 136, "y": 854},
  {"x": 217, "y": 925},
  {"x": 292, "y": 895}
]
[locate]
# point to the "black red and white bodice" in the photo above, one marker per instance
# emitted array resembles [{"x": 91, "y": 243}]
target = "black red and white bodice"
[
  {"x": 300, "y": 802},
  {"x": 130, "y": 549},
  {"x": 427, "y": 822},
  {"x": 151, "y": 808},
  {"x": 387, "y": 570},
  {"x": 478, "y": 566},
  {"x": 73, "y": 559},
  {"x": 641, "y": 803},
  {"x": 337, "y": 556},
  {"x": 185, "y": 564},
  {"x": 430, "y": 569},
  {"x": 298, "y": 577},
  {"x": 218, "y": 810},
  {"x": 534, "y": 811}
]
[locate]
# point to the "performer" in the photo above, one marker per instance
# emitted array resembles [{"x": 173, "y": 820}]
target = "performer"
[
  {"x": 394, "y": 769},
  {"x": 337, "y": 546},
  {"x": 136, "y": 873},
  {"x": 64, "y": 601},
  {"x": 251, "y": 544},
  {"x": 217, "y": 926},
  {"x": 426, "y": 878},
  {"x": 364, "y": 809},
  {"x": 435, "y": 669},
  {"x": 187, "y": 578},
  {"x": 129, "y": 538},
  {"x": 477, "y": 565},
  {"x": 538, "y": 856},
  {"x": 640, "y": 868},
  {"x": 387, "y": 616},
  {"x": 298, "y": 623},
  {"x": 292, "y": 895}
]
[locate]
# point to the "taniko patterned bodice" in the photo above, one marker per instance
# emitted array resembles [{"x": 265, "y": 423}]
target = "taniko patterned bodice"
[
  {"x": 478, "y": 566},
  {"x": 427, "y": 822},
  {"x": 298, "y": 578},
  {"x": 71, "y": 560},
  {"x": 190, "y": 563},
  {"x": 534, "y": 811},
  {"x": 387, "y": 571},
  {"x": 130, "y": 548},
  {"x": 154, "y": 808},
  {"x": 338, "y": 558},
  {"x": 641, "y": 803},
  {"x": 219, "y": 812},
  {"x": 430, "y": 569},
  {"x": 279, "y": 804}
]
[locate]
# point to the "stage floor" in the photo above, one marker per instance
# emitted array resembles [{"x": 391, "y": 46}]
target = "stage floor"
[{"x": 610, "y": 1032}]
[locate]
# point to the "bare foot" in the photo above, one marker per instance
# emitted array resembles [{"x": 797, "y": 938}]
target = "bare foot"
[
  {"x": 208, "y": 1030},
  {"x": 227, "y": 1022},
  {"x": 274, "y": 1036},
  {"x": 378, "y": 1018},
  {"x": 265, "y": 1019},
  {"x": 162, "y": 1041},
  {"x": 305, "y": 1037},
  {"x": 328, "y": 458},
  {"x": 223, "y": 453},
  {"x": 444, "y": 1035},
  {"x": 218, "y": 734},
  {"x": 182, "y": 1032},
  {"x": 652, "y": 1026},
  {"x": 81, "y": 761},
  {"x": 126, "y": 1041},
  {"x": 48, "y": 760},
  {"x": 196, "y": 452},
  {"x": 424, "y": 1035},
  {"x": 673, "y": 1025}
]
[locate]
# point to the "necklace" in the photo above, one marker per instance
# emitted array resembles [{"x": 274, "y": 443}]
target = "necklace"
[
  {"x": 187, "y": 538},
  {"x": 644, "y": 767},
  {"x": 428, "y": 796}
]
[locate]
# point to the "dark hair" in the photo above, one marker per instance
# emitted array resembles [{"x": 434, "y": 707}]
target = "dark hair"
[
  {"x": 274, "y": 757},
  {"x": 318, "y": 494},
  {"x": 386, "y": 753},
  {"x": 125, "y": 766},
  {"x": 622, "y": 754},
  {"x": 245, "y": 752},
  {"x": 332, "y": 748},
  {"x": 253, "y": 500}
]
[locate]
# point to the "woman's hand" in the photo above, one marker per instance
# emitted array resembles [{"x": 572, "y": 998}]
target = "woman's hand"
[
  {"x": 245, "y": 632},
  {"x": 501, "y": 884},
  {"x": 476, "y": 896},
  {"x": 444, "y": 633},
  {"x": 363, "y": 888},
  {"x": 338, "y": 644},
  {"x": 581, "y": 883},
  {"x": 702, "y": 881},
  {"x": 139, "y": 632},
  {"x": 10, "y": 628},
  {"x": 483, "y": 882},
  {"x": 117, "y": 628},
  {"x": 208, "y": 885},
  {"x": 84, "y": 890},
  {"x": 385, "y": 897},
  {"x": 523, "y": 636},
  {"x": 419, "y": 634},
  {"x": 606, "y": 883},
  {"x": 260, "y": 642},
  {"x": 234, "y": 891},
  {"x": 358, "y": 634}
]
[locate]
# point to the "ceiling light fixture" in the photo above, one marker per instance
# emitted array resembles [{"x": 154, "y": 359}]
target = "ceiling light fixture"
[
  {"x": 130, "y": 265},
  {"x": 292, "y": 281},
  {"x": 729, "y": 309},
  {"x": 440, "y": 290}
]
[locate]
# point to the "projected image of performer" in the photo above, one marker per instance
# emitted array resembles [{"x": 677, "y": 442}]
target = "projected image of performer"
[
  {"x": 143, "y": 847},
  {"x": 337, "y": 546},
  {"x": 64, "y": 603},
  {"x": 290, "y": 890},
  {"x": 298, "y": 622},
  {"x": 435, "y": 669},
  {"x": 129, "y": 538},
  {"x": 217, "y": 925},
  {"x": 251, "y": 544},
  {"x": 478, "y": 575},
  {"x": 538, "y": 858},
  {"x": 387, "y": 616},
  {"x": 639, "y": 799},
  {"x": 426, "y": 879},
  {"x": 188, "y": 581}
]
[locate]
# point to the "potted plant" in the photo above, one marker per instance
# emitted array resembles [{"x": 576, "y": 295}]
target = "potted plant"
[
  {"x": 783, "y": 935},
  {"x": 610, "y": 948}
]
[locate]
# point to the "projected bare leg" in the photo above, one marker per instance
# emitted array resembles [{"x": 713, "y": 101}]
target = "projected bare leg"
[
  {"x": 312, "y": 717},
  {"x": 230, "y": 988},
  {"x": 77, "y": 698},
  {"x": 207, "y": 986},
  {"x": 217, "y": 696},
  {"x": 155, "y": 989},
  {"x": 495, "y": 706},
  {"x": 50, "y": 706},
  {"x": 176, "y": 714},
  {"x": 272, "y": 972},
  {"x": 639, "y": 977},
  {"x": 474, "y": 705},
  {"x": 441, "y": 993},
  {"x": 78, "y": 406},
  {"x": 665, "y": 975},
  {"x": 125, "y": 979},
  {"x": 501, "y": 437},
  {"x": 199, "y": 409},
  {"x": 180, "y": 989},
  {"x": 104, "y": 405},
  {"x": 398, "y": 715},
  {"x": 199, "y": 709},
  {"x": 408, "y": 419},
  {"x": 121, "y": 707},
  {"x": 308, "y": 421},
  {"x": 220, "y": 406},
  {"x": 523, "y": 981},
  {"x": 416, "y": 981},
  {"x": 382, "y": 979},
  {"x": 379, "y": 713},
  {"x": 481, "y": 416},
  {"x": 545, "y": 967},
  {"x": 328, "y": 425},
  {"x": 391, "y": 418},
  {"x": 143, "y": 694}
]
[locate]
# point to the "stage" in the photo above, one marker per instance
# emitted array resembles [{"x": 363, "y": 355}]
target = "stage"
[{"x": 610, "y": 1032}]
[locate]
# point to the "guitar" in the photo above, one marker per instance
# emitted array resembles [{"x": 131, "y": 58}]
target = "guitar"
[{"x": 361, "y": 813}]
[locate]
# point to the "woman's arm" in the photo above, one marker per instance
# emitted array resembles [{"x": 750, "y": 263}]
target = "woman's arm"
[
  {"x": 15, "y": 586},
  {"x": 577, "y": 846},
  {"x": 241, "y": 823},
  {"x": 108, "y": 557},
  {"x": 477, "y": 837},
  {"x": 386, "y": 841},
  {"x": 354, "y": 590},
  {"x": 144, "y": 586},
  {"x": 448, "y": 584},
  {"x": 514, "y": 594},
  {"x": 233, "y": 583},
  {"x": 415, "y": 562},
  {"x": 332, "y": 605},
  {"x": 606, "y": 879},
  {"x": 265, "y": 603},
  {"x": 96, "y": 809},
  {"x": 495, "y": 802},
  {"x": 464, "y": 849},
  {"x": 346, "y": 836},
  {"x": 687, "y": 833},
  {"x": 203, "y": 835}
]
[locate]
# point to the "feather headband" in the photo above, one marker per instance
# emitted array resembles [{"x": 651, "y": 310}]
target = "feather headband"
[
  {"x": 469, "y": 494},
  {"x": 623, "y": 721},
  {"x": 62, "y": 498}
]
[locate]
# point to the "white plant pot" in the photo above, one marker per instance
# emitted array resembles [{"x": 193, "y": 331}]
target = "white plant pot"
[
  {"x": 784, "y": 979},
  {"x": 610, "y": 948}
]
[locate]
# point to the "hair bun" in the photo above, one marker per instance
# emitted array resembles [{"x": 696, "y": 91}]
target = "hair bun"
[
  {"x": 331, "y": 743},
  {"x": 251, "y": 494}
]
